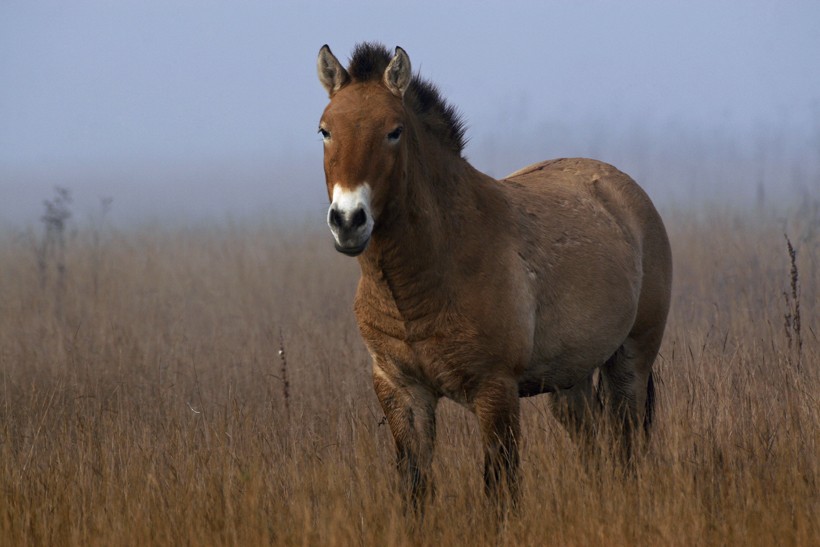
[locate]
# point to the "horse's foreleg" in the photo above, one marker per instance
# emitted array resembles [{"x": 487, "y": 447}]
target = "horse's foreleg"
[
  {"x": 411, "y": 413},
  {"x": 497, "y": 408}
]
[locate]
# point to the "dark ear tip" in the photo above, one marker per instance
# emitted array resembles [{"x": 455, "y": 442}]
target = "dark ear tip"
[
  {"x": 324, "y": 48},
  {"x": 400, "y": 49}
]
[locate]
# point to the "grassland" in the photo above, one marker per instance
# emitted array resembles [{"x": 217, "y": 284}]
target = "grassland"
[{"x": 144, "y": 400}]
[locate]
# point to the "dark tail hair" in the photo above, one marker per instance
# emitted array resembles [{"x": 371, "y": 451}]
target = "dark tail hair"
[{"x": 650, "y": 405}]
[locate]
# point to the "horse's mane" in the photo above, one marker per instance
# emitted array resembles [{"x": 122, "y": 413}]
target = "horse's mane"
[{"x": 368, "y": 63}]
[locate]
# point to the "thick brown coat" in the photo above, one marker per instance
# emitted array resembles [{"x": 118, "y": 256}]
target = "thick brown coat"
[{"x": 482, "y": 290}]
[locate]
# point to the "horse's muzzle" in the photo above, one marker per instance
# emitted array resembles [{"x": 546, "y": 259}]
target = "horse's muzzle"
[{"x": 350, "y": 220}]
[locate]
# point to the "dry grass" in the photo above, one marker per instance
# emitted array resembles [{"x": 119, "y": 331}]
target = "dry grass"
[{"x": 143, "y": 402}]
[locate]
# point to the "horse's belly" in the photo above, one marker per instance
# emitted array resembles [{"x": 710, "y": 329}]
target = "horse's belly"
[
  {"x": 565, "y": 352},
  {"x": 547, "y": 374}
]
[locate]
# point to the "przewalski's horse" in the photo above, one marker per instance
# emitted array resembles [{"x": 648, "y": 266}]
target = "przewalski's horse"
[{"x": 482, "y": 290}]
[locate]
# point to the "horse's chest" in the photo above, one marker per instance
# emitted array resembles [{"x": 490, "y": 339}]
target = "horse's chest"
[
  {"x": 447, "y": 354},
  {"x": 442, "y": 336}
]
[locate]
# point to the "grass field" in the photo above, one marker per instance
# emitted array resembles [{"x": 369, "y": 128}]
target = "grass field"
[{"x": 145, "y": 400}]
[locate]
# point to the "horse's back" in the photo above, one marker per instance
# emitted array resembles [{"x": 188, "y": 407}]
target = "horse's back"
[{"x": 568, "y": 188}]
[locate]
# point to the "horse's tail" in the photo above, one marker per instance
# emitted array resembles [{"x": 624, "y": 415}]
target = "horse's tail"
[{"x": 649, "y": 411}]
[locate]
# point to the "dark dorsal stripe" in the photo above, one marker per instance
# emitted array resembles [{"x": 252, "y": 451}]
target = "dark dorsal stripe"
[{"x": 368, "y": 63}]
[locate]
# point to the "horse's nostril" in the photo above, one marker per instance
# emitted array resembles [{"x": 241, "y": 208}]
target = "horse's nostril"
[
  {"x": 359, "y": 218},
  {"x": 335, "y": 218}
]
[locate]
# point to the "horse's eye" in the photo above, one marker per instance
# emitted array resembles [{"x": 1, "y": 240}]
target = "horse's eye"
[
  {"x": 324, "y": 133},
  {"x": 394, "y": 135}
]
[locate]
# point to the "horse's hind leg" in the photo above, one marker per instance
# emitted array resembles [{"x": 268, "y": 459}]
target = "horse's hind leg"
[
  {"x": 578, "y": 409},
  {"x": 628, "y": 388}
]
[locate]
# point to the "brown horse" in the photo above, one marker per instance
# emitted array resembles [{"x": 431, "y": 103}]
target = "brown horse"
[{"x": 482, "y": 290}]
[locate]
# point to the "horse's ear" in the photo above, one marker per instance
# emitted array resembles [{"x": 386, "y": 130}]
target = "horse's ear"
[
  {"x": 398, "y": 74},
  {"x": 331, "y": 72}
]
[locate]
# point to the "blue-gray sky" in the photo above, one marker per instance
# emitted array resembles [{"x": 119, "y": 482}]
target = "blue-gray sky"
[{"x": 210, "y": 108}]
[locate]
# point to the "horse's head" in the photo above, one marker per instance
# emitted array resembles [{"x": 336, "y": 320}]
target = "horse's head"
[{"x": 362, "y": 132}]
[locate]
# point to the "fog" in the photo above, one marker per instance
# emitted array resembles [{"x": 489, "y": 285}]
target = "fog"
[{"x": 205, "y": 110}]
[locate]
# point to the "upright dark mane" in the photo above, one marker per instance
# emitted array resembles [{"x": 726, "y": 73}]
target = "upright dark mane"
[{"x": 368, "y": 63}]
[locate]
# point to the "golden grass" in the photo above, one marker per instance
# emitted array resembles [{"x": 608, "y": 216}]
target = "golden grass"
[{"x": 143, "y": 402}]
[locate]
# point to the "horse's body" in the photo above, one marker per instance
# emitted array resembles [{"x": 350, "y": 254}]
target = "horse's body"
[{"x": 482, "y": 290}]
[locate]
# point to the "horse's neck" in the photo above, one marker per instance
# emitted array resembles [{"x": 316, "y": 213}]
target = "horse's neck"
[{"x": 412, "y": 256}]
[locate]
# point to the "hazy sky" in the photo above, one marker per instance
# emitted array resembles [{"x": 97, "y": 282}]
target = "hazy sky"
[{"x": 202, "y": 107}]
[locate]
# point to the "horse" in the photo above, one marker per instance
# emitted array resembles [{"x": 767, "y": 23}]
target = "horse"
[{"x": 555, "y": 279}]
